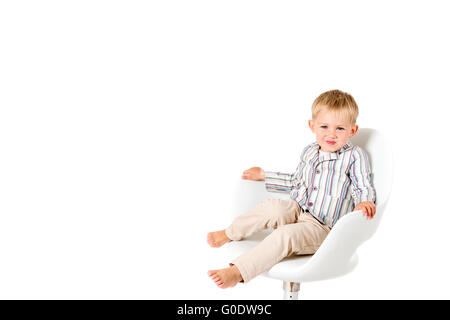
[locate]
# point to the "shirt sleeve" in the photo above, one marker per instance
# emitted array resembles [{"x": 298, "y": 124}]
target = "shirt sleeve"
[
  {"x": 362, "y": 188},
  {"x": 285, "y": 182},
  {"x": 279, "y": 182}
]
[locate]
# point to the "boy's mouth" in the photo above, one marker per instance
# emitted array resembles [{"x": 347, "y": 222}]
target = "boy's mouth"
[{"x": 331, "y": 142}]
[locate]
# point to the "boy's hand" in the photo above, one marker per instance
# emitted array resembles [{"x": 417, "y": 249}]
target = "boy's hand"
[
  {"x": 368, "y": 208},
  {"x": 254, "y": 173}
]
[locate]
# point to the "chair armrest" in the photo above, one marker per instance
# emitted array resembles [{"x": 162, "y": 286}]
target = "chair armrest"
[{"x": 336, "y": 256}]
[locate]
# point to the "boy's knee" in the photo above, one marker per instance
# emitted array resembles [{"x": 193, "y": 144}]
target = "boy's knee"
[
  {"x": 296, "y": 239},
  {"x": 283, "y": 238},
  {"x": 282, "y": 211}
]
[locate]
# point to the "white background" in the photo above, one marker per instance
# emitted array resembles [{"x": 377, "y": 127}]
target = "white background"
[{"x": 124, "y": 124}]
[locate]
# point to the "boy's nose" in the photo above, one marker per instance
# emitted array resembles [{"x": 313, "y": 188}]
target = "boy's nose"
[{"x": 333, "y": 133}]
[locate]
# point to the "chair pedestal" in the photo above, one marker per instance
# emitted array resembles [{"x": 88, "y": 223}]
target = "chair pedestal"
[{"x": 291, "y": 290}]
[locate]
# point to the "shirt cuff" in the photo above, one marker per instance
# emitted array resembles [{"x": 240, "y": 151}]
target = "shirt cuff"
[
  {"x": 364, "y": 198},
  {"x": 277, "y": 182}
]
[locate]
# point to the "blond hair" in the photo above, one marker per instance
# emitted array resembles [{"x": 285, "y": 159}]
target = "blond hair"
[{"x": 338, "y": 102}]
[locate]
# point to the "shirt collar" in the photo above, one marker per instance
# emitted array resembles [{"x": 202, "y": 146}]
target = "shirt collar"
[{"x": 332, "y": 155}]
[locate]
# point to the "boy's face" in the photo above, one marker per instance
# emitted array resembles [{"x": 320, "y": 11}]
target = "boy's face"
[{"x": 332, "y": 130}]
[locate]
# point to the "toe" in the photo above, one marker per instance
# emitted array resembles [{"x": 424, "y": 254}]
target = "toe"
[{"x": 211, "y": 273}]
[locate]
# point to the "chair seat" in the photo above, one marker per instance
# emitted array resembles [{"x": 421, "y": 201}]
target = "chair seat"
[{"x": 287, "y": 269}]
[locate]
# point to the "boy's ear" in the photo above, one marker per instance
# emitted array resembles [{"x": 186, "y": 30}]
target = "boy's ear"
[
  {"x": 311, "y": 125},
  {"x": 354, "y": 130}
]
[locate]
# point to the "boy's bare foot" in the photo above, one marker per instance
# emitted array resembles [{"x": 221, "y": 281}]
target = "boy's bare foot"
[
  {"x": 225, "y": 278},
  {"x": 217, "y": 239}
]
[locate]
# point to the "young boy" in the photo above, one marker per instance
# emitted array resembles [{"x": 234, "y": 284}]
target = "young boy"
[{"x": 332, "y": 179}]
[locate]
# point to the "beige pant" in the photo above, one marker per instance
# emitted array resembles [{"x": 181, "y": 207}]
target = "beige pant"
[{"x": 296, "y": 232}]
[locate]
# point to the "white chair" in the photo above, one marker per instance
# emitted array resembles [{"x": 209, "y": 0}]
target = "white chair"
[{"x": 337, "y": 254}]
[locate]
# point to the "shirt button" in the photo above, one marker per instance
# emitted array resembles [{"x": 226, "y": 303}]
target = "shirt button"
[
  {"x": 310, "y": 204},
  {"x": 315, "y": 188},
  {"x": 318, "y": 171}
]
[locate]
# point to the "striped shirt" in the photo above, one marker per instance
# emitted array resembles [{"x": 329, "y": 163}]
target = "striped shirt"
[{"x": 325, "y": 183}]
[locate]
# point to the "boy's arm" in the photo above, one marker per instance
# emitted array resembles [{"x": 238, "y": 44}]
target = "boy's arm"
[
  {"x": 362, "y": 189},
  {"x": 278, "y": 181},
  {"x": 275, "y": 181},
  {"x": 283, "y": 182}
]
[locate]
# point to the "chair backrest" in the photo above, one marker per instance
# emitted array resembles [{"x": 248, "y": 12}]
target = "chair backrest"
[
  {"x": 381, "y": 161},
  {"x": 380, "y": 157}
]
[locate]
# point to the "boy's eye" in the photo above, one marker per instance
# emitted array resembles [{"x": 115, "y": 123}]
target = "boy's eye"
[
  {"x": 341, "y": 129},
  {"x": 324, "y": 127}
]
